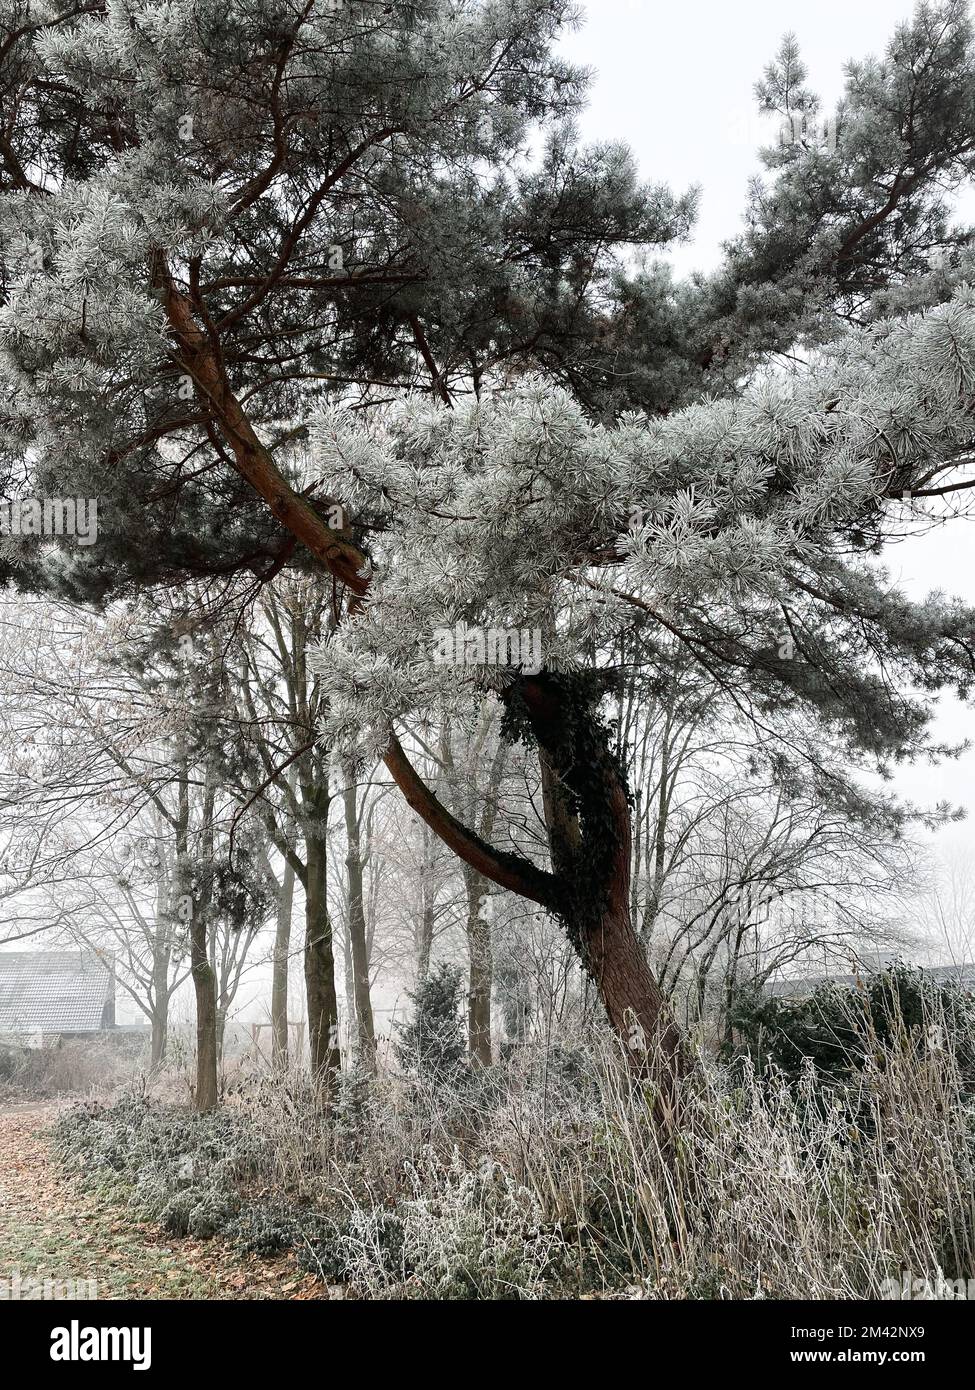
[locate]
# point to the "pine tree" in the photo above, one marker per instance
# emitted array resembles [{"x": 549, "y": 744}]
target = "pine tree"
[
  {"x": 216, "y": 221},
  {"x": 245, "y": 209},
  {"x": 431, "y": 1044}
]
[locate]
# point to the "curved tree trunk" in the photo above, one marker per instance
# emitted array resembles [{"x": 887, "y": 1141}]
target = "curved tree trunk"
[
  {"x": 588, "y": 822},
  {"x": 567, "y": 734},
  {"x": 639, "y": 1011},
  {"x": 587, "y": 815},
  {"x": 569, "y": 739},
  {"x": 634, "y": 1002}
]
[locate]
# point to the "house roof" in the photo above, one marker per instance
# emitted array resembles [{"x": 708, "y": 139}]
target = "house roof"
[
  {"x": 54, "y": 991},
  {"x": 800, "y": 988}
]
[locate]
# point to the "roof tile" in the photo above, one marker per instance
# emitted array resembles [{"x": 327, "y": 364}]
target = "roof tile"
[{"x": 54, "y": 991}]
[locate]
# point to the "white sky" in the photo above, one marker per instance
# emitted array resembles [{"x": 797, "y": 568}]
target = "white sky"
[{"x": 674, "y": 80}]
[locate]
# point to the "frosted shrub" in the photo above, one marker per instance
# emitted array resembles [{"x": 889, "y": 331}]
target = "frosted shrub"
[{"x": 462, "y": 1234}]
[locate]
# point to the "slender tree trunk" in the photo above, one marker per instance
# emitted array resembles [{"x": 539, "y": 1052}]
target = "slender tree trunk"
[
  {"x": 664, "y": 792},
  {"x": 480, "y": 918},
  {"x": 348, "y": 978},
  {"x": 158, "y": 1037},
  {"x": 195, "y": 912},
  {"x": 323, "y": 1017},
  {"x": 159, "y": 1018},
  {"x": 660, "y": 835},
  {"x": 639, "y": 834},
  {"x": 480, "y": 972},
  {"x": 279, "y": 969},
  {"x": 221, "y": 1030},
  {"x": 424, "y": 927},
  {"x": 204, "y": 985},
  {"x": 425, "y": 943},
  {"x": 160, "y": 990},
  {"x": 365, "y": 1034}
]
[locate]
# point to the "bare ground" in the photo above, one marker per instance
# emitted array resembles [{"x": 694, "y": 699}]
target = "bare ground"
[{"x": 52, "y": 1228}]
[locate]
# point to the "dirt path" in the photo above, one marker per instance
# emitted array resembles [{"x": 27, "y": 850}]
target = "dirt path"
[{"x": 51, "y": 1228}]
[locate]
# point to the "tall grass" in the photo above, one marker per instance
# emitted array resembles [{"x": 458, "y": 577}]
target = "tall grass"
[
  {"x": 769, "y": 1189},
  {"x": 549, "y": 1178}
]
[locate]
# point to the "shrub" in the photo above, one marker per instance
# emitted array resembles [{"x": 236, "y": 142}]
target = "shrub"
[
  {"x": 198, "y": 1211},
  {"x": 431, "y": 1045},
  {"x": 461, "y": 1235},
  {"x": 837, "y": 1030},
  {"x": 266, "y": 1227},
  {"x": 11, "y": 1061},
  {"x": 73, "y": 1067},
  {"x": 370, "y": 1238},
  {"x": 180, "y": 1169}
]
